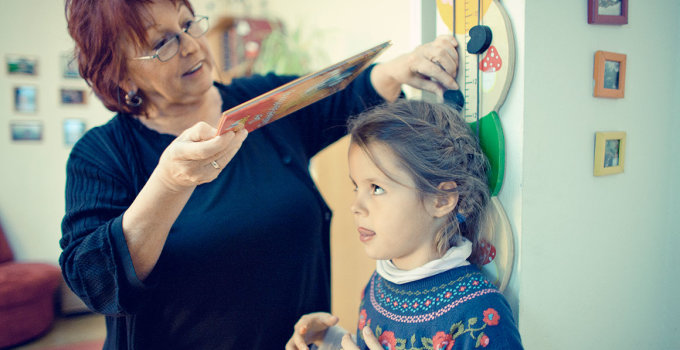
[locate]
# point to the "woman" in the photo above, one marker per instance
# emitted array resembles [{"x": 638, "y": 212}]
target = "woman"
[{"x": 182, "y": 239}]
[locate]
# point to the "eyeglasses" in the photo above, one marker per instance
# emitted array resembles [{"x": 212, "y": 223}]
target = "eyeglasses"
[{"x": 196, "y": 28}]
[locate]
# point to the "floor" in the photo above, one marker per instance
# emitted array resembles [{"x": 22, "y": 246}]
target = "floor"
[{"x": 70, "y": 330}]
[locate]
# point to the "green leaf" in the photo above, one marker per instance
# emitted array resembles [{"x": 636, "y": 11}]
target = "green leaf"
[
  {"x": 427, "y": 343},
  {"x": 457, "y": 329},
  {"x": 472, "y": 321},
  {"x": 479, "y": 339}
]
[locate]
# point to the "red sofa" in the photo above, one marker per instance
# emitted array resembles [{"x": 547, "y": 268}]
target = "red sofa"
[{"x": 27, "y": 295}]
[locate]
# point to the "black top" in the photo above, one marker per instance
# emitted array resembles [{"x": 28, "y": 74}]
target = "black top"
[{"x": 247, "y": 256}]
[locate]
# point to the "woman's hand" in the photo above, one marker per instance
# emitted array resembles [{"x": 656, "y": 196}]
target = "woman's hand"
[
  {"x": 197, "y": 156},
  {"x": 431, "y": 67},
  {"x": 370, "y": 339},
  {"x": 310, "y": 328}
]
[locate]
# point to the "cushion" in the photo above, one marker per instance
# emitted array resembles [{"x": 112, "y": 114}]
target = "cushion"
[
  {"x": 24, "y": 282},
  {"x": 5, "y": 250}
]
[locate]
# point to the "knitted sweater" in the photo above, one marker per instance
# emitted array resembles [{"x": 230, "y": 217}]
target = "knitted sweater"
[
  {"x": 248, "y": 255},
  {"x": 455, "y": 309}
]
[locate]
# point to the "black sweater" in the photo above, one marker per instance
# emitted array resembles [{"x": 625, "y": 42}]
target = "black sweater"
[{"x": 247, "y": 256}]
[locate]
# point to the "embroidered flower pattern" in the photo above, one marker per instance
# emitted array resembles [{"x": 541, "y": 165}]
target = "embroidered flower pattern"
[
  {"x": 491, "y": 317},
  {"x": 387, "y": 340},
  {"x": 441, "y": 340},
  {"x": 483, "y": 340},
  {"x": 362, "y": 318}
]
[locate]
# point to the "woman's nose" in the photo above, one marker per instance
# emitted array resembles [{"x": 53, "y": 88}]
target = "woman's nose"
[{"x": 188, "y": 44}]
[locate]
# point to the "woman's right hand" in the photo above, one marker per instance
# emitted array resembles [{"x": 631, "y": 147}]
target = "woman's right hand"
[
  {"x": 310, "y": 328},
  {"x": 188, "y": 161}
]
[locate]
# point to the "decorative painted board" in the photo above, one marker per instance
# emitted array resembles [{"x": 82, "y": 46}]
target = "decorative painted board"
[
  {"x": 486, "y": 51},
  {"x": 496, "y": 248}
]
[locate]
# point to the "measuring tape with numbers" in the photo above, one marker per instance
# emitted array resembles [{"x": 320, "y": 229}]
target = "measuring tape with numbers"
[
  {"x": 485, "y": 74},
  {"x": 486, "y": 51}
]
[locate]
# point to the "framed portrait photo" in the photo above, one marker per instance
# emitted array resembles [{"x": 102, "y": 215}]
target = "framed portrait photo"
[
  {"x": 26, "y": 130},
  {"x": 22, "y": 65},
  {"x": 74, "y": 128},
  {"x": 69, "y": 66},
  {"x": 609, "y": 72},
  {"x": 610, "y": 153},
  {"x": 25, "y": 97},
  {"x": 608, "y": 11},
  {"x": 73, "y": 96}
]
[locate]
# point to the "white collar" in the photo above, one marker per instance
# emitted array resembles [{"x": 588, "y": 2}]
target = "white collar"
[{"x": 454, "y": 257}]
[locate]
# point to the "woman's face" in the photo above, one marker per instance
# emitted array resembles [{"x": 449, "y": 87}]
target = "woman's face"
[{"x": 183, "y": 79}]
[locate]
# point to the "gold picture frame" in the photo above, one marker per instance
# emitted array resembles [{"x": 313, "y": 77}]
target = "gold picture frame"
[{"x": 610, "y": 153}]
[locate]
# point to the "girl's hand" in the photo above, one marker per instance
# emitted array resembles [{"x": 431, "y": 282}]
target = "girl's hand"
[
  {"x": 431, "y": 66},
  {"x": 371, "y": 341},
  {"x": 310, "y": 328},
  {"x": 188, "y": 160}
]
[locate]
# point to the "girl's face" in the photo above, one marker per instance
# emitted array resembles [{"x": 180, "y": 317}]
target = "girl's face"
[
  {"x": 184, "y": 78},
  {"x": 392, "y": 221}
]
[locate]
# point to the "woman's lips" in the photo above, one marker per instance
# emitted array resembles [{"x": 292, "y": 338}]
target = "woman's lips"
[
  {"x": 365, "y": 235},
  {"x": 194, "y": 69}
]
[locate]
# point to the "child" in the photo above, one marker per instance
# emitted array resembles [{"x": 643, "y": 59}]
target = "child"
[{"x": 420, "y": 184}]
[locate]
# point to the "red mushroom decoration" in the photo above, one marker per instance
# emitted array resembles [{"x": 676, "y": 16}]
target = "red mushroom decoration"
[
  {"x": 485, "y": 253},
  {"x": 491, "y": 61}
]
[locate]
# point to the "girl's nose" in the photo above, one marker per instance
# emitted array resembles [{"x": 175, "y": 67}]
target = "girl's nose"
[{"x": 357, "y": 207}]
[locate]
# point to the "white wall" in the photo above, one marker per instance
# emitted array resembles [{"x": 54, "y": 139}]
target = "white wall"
[
  {"x": 33, "y": 173},
  {"x": 598, "y": 262}
]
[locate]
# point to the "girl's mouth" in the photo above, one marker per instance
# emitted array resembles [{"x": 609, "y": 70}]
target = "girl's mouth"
[{"x": 365, "y": 235}]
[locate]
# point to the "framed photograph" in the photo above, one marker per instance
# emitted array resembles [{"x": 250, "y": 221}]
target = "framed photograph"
[
  {"x": 610, "y": 153},
  {"x": 73, "y": 96},
  {"x": 73, "y": 129},
  {"x": 26, "y": 130},
  {"x": 609, "y": 72},
  {"x": 69, "y": 66},
  {"x": 22, "y": 65},
  {"x": 608, "y": 11},
  {"x": 25, "y": 99}
]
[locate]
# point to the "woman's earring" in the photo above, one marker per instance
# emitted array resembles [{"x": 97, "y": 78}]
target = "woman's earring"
[{"x": 132, "y": 99}]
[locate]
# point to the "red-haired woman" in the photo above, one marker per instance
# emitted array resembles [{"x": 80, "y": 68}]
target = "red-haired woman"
[{"x": 182, "y": 239}]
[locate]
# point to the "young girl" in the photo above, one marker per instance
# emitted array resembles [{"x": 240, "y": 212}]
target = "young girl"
[{"x": 420, "y": 183}]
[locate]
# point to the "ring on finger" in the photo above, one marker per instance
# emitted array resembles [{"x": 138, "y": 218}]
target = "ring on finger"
[{"x": 215, "y": 164}]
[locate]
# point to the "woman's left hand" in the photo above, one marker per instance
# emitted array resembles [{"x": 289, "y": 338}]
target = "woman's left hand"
[
  {"x": 371, "y": 341},
  {"x": 431, "y": 67}
]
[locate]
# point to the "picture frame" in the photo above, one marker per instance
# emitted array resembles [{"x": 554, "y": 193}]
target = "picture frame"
[
  {"x": 73, "y": 129},
  {"x": 613, "y": 12},
  {"x": 609, "y": 72},
  {"x": 610, "y": 153},
  {"x": 26, "y": 130},
  {"x": 69, "y": 66},
  {"x": 21, "y": 65},
  {"x": 72, "y": 96},
  {"x": 25, "y": 99}
]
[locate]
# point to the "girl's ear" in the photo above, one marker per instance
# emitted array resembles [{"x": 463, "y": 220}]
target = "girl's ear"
[{"x": 442, "y": 205}]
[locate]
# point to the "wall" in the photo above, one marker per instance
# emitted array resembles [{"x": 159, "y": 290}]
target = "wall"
[
  {"x": 598, "y": 262},
  {"x": 33, "y": 173}
]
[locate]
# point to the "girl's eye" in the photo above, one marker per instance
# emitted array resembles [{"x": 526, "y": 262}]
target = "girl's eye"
[{"x": 377, "y": 190}]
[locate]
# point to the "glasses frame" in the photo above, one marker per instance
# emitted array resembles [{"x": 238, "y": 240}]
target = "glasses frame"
[{"x": 197, "y": 19}]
